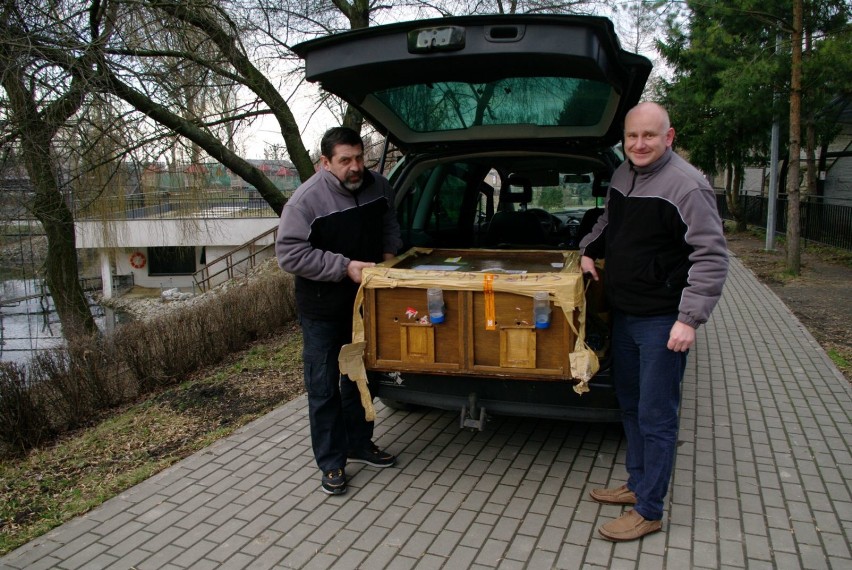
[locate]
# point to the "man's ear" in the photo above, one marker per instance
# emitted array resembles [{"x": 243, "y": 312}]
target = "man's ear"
[
  {"x": 670, "y": 134},
  {"x": 324, "y": 162}
]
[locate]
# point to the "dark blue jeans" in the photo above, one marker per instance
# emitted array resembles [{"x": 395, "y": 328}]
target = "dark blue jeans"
[
  {"x": 334, "y": 404},
  {"x": 647, "y": 378}
]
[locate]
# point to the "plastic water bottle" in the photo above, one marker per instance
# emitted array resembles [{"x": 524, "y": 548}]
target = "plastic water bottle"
[
  {"x": 541, "y": 309},
  {"x": 435, "y": 304}
]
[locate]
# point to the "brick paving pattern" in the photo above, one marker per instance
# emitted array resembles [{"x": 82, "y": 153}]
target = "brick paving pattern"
[{"x": 762, "y": 480}]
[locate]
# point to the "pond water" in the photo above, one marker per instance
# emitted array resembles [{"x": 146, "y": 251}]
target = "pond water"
[{"x": 28, "y": 319}]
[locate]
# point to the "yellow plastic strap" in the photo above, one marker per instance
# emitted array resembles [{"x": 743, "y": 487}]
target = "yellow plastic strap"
[{"x": 490, "y": 312}]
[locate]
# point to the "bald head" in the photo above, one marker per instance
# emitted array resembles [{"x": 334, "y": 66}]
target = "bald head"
[
  {"x": 651, "y": 109},
  {"x": 647, "y": 133}
]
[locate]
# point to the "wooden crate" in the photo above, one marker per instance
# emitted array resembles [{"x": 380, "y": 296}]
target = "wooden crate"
[{"x": 397, "y": 340}]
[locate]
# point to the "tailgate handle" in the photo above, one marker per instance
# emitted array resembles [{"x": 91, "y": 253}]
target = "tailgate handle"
[{"x": 505, "y": 33}]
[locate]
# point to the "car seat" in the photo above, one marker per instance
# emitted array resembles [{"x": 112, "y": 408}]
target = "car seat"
[
  {"x": 600, "y": 186},
  {"x": 515, "y": 227}
]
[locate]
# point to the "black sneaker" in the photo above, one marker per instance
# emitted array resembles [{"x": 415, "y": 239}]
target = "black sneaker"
[
  {"x": 372, "y": 455},
  {"x": 334, "y": 482}
]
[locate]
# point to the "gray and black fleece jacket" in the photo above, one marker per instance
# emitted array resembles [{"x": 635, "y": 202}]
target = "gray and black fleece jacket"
[
  {"x": 662, "y": 239},
  {"x": 323, "y": 226}
]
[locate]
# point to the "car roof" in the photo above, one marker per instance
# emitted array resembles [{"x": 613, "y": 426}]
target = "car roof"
[{"x": 551, "y": 80}]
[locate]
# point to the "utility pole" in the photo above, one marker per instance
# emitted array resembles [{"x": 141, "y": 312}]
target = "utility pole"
[{"x": 772, "y": 200}]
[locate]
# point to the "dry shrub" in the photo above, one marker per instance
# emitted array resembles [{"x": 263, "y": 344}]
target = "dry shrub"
[
  {"x": 168, "y": 347},
  {"x": 79, "y": 379},
  {"x": 163, "y": 349},
  {"x": 23, "y": 421},
  {"x": 59, "y": 389},
  {"x": 66, "y": 387},
  {"x": 255, "y": 309}
]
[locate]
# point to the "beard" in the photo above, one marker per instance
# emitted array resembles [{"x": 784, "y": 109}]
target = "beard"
[{"x": 353, "y": 185}]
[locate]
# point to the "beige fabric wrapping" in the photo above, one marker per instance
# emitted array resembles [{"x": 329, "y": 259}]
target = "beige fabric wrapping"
[
  {"x": 351, "y": 361},
  {"x": 565, "y": 287}
]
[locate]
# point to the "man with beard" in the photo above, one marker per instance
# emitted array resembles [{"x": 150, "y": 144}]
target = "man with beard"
[{"x": 337, "y": 222}]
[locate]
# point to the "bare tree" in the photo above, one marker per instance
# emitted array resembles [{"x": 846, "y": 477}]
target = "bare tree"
[
  {"x": 39, "y": 101},
  {"x": 162, "y": 56},
  {"x": 639, "y": 24},
  {"x": 189, "y": 75}
]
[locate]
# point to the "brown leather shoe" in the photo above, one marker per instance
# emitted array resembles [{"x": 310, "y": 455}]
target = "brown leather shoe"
[
  {"x": 629, "y": 526},
  {"x": 620, "y": 496}
]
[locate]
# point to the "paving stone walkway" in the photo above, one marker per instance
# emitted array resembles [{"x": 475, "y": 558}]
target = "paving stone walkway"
[{"x": 763, "y": 479}]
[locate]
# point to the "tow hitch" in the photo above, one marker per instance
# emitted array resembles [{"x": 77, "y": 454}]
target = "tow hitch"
[{"x": 469, "y": 415}]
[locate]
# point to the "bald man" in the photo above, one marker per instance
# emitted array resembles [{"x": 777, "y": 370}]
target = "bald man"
[{"x": 666, "y": 263}]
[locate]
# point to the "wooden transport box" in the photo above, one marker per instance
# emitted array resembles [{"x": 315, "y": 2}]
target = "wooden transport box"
[{"x": 488, "y": 327}]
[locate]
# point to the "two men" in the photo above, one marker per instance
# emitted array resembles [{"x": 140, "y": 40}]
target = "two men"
[
  {"x": 338, "y": 222},
  {"x": 666, "y": 263}
]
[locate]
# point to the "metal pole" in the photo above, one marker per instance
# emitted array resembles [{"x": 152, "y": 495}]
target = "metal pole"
[{"x": 772, "y": 200}]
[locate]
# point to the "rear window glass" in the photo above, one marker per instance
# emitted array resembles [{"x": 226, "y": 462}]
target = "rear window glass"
[{"x": 541, "y": 101}]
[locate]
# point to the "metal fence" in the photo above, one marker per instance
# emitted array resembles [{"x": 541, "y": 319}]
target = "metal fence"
[
  {"x": 176, "y": 207},
  {"x": 120, "y": 283},
  {"x": 829, "y": 224}
]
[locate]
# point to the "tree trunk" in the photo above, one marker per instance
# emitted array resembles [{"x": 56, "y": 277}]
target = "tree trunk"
[
  {"x": 732, "y": 195},
  {"x": 740, "y": 217},
  {"x": 358, "y": 14},
  {"x": 35, "y": 130},
  {"x": 60, "y": 266},
  {"x": 794, "y": 256},
  {"x": 50, "y": 209}
]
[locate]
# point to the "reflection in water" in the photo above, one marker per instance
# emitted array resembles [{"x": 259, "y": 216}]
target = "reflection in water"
[{"x": 28, "y": 319}]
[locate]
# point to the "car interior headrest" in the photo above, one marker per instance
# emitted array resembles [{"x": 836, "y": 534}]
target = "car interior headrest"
[
  {"x": 600, "y": 185},
  {"x": 518, "y": 190}
]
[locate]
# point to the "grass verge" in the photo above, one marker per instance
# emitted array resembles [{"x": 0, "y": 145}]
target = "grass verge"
[
  {"x": 52, "y": 485},
  {"x": 840, "y": 360}
]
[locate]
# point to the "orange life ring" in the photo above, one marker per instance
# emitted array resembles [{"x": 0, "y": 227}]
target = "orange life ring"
[{"x": 137, "y": 260}]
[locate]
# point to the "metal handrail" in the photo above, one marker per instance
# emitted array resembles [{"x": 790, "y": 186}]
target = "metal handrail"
[{"x": 203, "y": 277}]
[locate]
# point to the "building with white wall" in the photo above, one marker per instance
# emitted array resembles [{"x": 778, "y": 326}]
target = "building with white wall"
[{"x": 170, "y": 253}]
